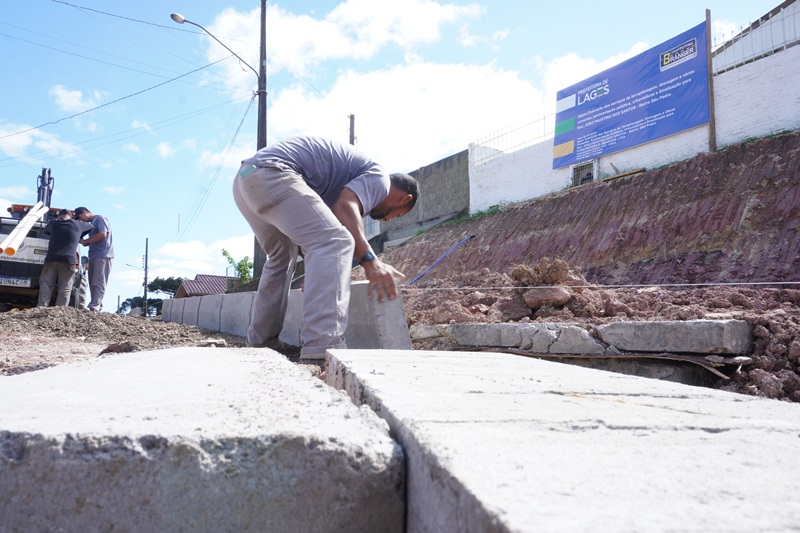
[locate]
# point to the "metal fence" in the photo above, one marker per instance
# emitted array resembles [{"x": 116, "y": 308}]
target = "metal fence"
[
  {"x": 513, "y": 138},
  {"x": 777, "y": 30}
]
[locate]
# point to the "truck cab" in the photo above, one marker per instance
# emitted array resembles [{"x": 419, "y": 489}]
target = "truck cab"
[{"x": 19, "y": 272}]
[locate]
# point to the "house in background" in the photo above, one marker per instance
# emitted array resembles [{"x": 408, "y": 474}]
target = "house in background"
[{"x": 204, "y": 284}]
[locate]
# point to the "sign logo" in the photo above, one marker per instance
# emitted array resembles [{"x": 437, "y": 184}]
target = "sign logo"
[{"x": 680, "y": 54}]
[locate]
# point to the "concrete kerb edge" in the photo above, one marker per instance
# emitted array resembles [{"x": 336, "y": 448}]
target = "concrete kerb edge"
[
  {"x": 718, "y": 336},
  {"x": 166, "y": 310},
  {"x": 191, "y": 310},
  {"x": 210, "y": 312}
]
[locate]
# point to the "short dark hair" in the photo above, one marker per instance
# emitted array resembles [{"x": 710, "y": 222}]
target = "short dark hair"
[
  {"x": 408, "y": 185},
  {"x": 79, "y": 210}
]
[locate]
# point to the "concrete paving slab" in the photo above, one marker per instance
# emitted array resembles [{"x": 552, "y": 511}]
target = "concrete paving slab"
[
  {"x": 496, "y": 442},
  {"x": 192, "y": 439}
]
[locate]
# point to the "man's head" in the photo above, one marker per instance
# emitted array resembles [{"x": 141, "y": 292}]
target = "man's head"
[
  {"x": 402, "y": 198},
  {"x": 63, "y": 214},
  {"x": 81, "y": 212}
]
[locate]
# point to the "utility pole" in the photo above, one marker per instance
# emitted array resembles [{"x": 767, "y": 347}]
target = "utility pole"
[
  {"x": 144, "y": 302},
  {"x": 259, "y": 257},
  {"x": 261, "y": 141},
  {"x": 353, "y": 129}
]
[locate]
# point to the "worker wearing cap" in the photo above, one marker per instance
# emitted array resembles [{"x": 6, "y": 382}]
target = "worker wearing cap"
[
  {"x": 312, "y": 193},
  {"x": 101, "y": 255},
  {"x": 61, "y": 259}
]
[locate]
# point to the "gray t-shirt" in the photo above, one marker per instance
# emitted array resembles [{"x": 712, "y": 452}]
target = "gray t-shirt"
[
  {"x": 327, "y": 167},
  {"x": 104, "y": 248}
]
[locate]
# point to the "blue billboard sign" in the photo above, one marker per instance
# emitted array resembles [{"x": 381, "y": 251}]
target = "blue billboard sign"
[{"x": 660, "y": 92}]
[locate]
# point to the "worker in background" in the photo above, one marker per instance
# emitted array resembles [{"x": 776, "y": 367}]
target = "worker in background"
[
  {"x": 101, "y": 255},
  {"x": 61, "y": 259},
  {"x": 312, "y": 193}
]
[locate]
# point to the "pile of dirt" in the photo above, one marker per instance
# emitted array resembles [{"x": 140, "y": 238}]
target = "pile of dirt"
[{"x": 38, "y": 338}]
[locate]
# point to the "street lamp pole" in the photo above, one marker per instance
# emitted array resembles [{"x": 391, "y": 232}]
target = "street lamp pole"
[{"x": 261, "y": 74}]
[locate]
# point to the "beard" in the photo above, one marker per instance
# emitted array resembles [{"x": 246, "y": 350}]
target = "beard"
[{"x": 378, "y": 213}]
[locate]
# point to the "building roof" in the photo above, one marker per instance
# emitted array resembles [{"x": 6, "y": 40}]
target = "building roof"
[{"x": 203, "y": 284}]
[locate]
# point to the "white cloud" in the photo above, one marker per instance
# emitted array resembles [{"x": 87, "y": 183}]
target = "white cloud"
[
  {"x": 164, "y": 149},
  {"x": 394, "y": 110},
  {"x": 131, "y": 147},
  {"x": 469, "y": 40},
  {"x": 187, "y": 259},
  {"x": 16, "y": 192},
  {"x": 353, "y": 30},
  {"x": 22, "y": 141},
  {"x": 74, "y": 101},
  {"x": 136, "y": 124},
  {"x": 569, "y": 69},
  {"x": 113, "y": 190},
  {"x": 723, "y": 30},
  {"x": 228, "y": 159},
  {"x": 189, "y": 144}
]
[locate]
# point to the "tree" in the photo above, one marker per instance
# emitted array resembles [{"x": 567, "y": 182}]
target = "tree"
[
  {"x": 243, "y": 267},
  {"x": 154, "y": 306},
  {"x": 168, "y": 286}
]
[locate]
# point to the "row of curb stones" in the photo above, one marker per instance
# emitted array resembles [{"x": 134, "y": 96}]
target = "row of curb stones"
[{"x": 721, "y": 337}]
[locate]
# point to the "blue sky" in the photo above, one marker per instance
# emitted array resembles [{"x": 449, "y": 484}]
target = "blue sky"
[{"x": 119, "y": 101}]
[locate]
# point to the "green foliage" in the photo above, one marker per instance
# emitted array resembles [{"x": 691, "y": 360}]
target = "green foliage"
[
  {"x": 154, "y": 305},
  {"x": 243, "y": 267},
  {"x": 168, "y": 286},
  {"x": 491, "y": 211}
]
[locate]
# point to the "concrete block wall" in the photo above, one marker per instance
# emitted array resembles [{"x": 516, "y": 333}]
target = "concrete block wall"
[
  {"x": 758, "y": 99},
  {"x": 444, "y": 193},
  {"x": 373, "y": 324}
]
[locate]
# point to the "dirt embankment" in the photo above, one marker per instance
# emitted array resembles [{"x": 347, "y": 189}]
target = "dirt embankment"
[
  {"x": 730, "y": 216},
  {"x": 727, "y": 220}
]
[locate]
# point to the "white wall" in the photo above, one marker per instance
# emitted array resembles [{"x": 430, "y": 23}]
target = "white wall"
[
  {"x": 754, "y": 100},
  {"x": 758, "y": 99}
]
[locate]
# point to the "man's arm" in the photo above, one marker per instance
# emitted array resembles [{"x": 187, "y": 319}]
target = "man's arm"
[
  {"x": 97, "y": 237},
  {"x": 348, "y": 210}
]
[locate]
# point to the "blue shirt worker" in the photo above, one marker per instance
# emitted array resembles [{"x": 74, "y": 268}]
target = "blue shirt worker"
[
  {"x": 312, "y": 193},
  {"x": 61, "y": 260},
  {"x": 101, "y": 255}
]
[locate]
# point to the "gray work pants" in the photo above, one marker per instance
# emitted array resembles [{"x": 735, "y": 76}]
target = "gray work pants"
[
  {"x": 285, "y": 213},
  {"x": 99, "y": 269},
  {"x": 55, "y": 274}
]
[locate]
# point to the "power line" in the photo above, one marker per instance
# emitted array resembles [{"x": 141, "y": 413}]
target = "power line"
[
  {"x": 84, "y": 8},
  {"x": 116, "y": 136},
  {"x": 111, "y": 102}
]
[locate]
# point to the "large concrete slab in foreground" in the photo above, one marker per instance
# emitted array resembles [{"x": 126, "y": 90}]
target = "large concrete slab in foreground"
[
  {"x": 192, "y": 439},
  {"x": 496, "y": 442}
]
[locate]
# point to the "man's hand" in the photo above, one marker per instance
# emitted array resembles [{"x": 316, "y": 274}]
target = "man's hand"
[
  {"x": 381, "y": 278},
  {"x": 83, "y": 242}
]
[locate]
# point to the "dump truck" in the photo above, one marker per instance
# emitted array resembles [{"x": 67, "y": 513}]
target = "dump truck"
[{"x": 24, "y": 247}]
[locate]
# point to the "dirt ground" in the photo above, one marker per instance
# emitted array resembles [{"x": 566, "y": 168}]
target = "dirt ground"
[
  {"x": 38, "y": 338},
  {"x": 34, "y": 339},
  {"x": 552, "y": 292}
]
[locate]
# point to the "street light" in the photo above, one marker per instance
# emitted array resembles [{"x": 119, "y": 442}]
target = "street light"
[{"x": 261, "y": 74}]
